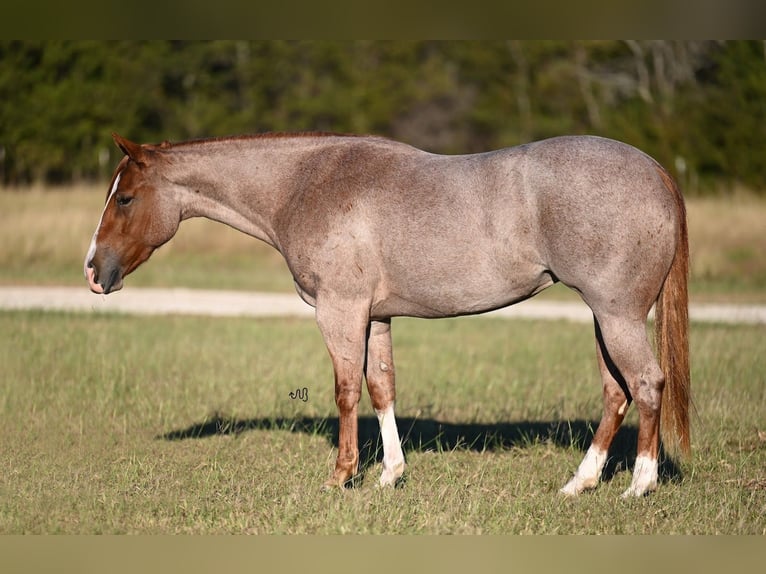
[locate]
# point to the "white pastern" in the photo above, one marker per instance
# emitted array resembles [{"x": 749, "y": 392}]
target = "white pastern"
[
  {"x": 92, "y": 247},
  {"x": 588, "y": 473},
  {"x": 644, "y": 477},
  {"x": 393, "y": 457}
]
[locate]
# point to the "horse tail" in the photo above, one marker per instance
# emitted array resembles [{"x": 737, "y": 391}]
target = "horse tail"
[{"x": 671, "y": 325}]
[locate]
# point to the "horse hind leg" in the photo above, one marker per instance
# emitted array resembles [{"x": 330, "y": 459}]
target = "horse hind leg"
[
  {"x": 616, "y": 400},
  {"x": 631, "y": 354},
  {"x": 379, "y": 371}
]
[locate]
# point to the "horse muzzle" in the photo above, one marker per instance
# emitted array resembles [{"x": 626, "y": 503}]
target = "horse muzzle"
[{"x": 105, "y": 279}]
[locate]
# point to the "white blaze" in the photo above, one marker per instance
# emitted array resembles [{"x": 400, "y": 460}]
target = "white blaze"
[{"x": 92, "y": 248}]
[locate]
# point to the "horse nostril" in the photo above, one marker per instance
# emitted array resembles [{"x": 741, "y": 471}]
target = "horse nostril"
[{"x": 111, "y": 280}]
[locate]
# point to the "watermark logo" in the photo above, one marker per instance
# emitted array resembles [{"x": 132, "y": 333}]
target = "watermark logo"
[{"x": 302, "y": 394}]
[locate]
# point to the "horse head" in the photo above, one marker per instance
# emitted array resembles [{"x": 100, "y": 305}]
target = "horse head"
[{"x": 139, "y": 216}]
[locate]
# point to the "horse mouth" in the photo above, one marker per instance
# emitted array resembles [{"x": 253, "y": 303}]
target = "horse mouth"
[{"x": 113, "y": 281}]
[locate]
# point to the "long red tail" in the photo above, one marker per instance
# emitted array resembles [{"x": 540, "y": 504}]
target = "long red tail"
[{"x": 672, "y": 337}]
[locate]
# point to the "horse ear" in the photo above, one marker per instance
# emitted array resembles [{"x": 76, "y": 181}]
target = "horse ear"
[{"x": 133, "y": 150}]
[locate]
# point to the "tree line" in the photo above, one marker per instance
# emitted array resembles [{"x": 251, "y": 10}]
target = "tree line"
[{"x": 699, "y": 107}]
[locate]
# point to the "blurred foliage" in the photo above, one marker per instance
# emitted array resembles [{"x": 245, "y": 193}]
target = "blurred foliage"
[{"x": 699, "y": 107}]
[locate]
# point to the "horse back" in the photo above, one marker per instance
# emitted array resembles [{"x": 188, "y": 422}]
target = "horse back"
[{"x": 431, "y": 235}]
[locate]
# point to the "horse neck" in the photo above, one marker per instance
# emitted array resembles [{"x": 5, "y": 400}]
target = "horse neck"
[{"x": 240, "y": 182}]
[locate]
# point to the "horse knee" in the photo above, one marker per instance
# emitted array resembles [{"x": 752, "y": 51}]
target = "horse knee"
[{"x": 347, "y": 397}]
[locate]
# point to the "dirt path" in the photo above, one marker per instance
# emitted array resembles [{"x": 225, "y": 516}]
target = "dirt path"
[{"x": 148, "y": 301}]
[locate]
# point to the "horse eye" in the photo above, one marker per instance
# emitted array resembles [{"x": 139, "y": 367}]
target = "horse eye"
[{"x": 123, "y": 200}]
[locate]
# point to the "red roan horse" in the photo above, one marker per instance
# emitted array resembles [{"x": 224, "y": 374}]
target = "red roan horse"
[{"x": 373, "y": 229}]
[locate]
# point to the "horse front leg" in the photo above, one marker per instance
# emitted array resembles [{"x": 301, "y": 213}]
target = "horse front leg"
[
  {"x": 379, "y": 372},
  {"x": 343, "y": 328}
]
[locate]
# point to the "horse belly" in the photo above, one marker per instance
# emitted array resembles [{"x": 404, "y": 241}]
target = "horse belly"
[{"x": 430, "y": 288}]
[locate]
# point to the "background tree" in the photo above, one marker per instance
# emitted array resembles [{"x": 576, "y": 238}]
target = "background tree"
[{"x": 699, "y": 107}]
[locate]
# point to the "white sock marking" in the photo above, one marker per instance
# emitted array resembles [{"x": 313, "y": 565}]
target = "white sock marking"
[
  {"x": 393, "y": 457},
  {"x": 644, "y": 477},
  {"x": 588, "y": 473}
]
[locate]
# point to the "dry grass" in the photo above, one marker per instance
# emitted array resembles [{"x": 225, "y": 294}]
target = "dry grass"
[
  {"x": 727, "y": 237},
  {"x": 44, "y": 235}
]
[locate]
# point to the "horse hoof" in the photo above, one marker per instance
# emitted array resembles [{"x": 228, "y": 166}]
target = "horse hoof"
[
  {"x": 634, "y": 492},
  {"x": 337, "y": 480},
  {"x": 572, "y": 488},
  {"x": 391, "y": 476},
  {"x": 332, "y": 484}
]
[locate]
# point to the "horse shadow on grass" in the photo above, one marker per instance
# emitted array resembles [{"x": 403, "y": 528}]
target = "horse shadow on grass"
[{"x": 430, "y": 435}]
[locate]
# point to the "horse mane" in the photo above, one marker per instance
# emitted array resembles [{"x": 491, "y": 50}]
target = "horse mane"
[{"x": 261, "y": 136}]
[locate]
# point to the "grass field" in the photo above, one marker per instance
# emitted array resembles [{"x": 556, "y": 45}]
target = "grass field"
[
  {"x": 117, "y": 424},
  {"x": 44, "y": 236}
]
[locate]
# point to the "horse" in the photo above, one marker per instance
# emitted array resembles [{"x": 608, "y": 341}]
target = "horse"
[{"x": 372, "y": 229}]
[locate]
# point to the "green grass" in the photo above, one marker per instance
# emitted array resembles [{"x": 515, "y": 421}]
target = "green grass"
[{"x": 119, "y": 424}]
